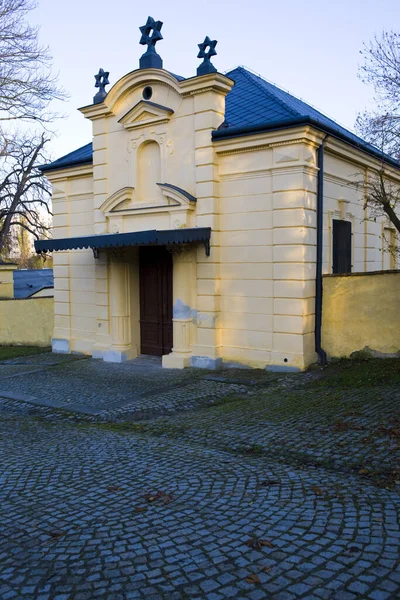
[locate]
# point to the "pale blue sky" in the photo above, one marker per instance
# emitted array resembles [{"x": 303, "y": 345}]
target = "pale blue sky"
[{"x": 308, "y": 48}]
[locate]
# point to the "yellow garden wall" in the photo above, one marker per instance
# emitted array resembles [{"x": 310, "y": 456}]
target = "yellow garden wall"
[
  {"x": 360, "y": 311},
  {"x": 27, "y": 322}
]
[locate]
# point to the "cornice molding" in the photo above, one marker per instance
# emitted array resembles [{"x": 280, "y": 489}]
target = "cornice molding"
[
  {"x": 70, "y": 172},
  {"x": 270, "y": 171},
  {"x": 96, "y": 111},
  {"x": 271, "y": 139},
  {"x": 359, "y": 157},
  {"x": 244, "y": 150},
  {"x": 342, "y": 181},
  {"x": 211, "y": 82}
]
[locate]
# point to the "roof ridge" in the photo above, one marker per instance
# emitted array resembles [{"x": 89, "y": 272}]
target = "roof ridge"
[{"x": 254, "y": 78}]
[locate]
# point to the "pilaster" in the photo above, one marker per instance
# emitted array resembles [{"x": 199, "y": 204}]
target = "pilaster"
[
  {"x": 103, "y": 325},
  {"x": 7, "y": 279},
  {"x": 294, "y": 179},
  {"x": 61, "y": 341},
  {"x": 100, "y": 173},
  {"x": 209, "y": 111},
  {"x": 121, "y": 348},
  {"x": 183, "y": 286}
]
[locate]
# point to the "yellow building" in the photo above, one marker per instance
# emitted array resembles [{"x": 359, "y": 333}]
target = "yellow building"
[{"x": 198, "y": 223}]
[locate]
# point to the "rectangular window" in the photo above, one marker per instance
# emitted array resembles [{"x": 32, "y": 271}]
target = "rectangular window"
[{"x": 341, "y": 250}]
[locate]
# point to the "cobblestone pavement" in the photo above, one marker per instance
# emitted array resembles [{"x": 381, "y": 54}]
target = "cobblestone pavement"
[
  {"x": 204, "y": 503},
  {"x": 351, "y": 430},
  {"x": 139, "y": 388}
]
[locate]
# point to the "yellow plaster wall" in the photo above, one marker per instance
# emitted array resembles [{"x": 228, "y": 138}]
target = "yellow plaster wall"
[
  {"x": 26, "y": 322},
  {"x": 74, "y": 271},
  {"x": 361, "y": 312},
  {"x": 344, "y": 199},
  {"x": 266, "y": 231}
]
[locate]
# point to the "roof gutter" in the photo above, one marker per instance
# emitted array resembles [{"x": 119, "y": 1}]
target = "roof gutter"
[
  {"x": 320, "y": 239},
  {"x": 75, "y": 163},
  {"x": 233, "y": 132}
]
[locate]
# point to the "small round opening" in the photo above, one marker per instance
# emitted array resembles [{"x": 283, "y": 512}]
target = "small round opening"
[
  {"x": 147, "y": 92},
  {"x": 285, "y": 360}
]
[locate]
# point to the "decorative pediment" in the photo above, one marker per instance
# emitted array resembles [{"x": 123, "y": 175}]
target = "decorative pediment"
[
  {"x": 177, "y": 195},
  {"x": 120, "y": 200},
  {"x": 172, "y": 198},
  {"x": 145, "y": 113}
]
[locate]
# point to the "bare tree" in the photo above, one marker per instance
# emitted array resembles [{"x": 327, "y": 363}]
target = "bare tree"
[
  {"x": 26, "y": 83},
  {"x": 24, "y": 191},
  {"x": 381, "y": 126},
  {"x": 27, "y": 88},
  {"x": 381, "y": 69},
  {"x": 383, "y": 197}
]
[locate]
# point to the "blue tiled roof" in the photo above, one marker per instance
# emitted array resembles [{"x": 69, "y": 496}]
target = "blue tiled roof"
[
  {"x": 30, "y": 281},
  {"x": 80, "y": 156},
  {"x": 254, "y": 105},
  {"x": 251, "y": 101}
]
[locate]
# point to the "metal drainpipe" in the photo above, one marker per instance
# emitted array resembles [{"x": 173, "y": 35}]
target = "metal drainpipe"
[{"x": 320, "y": 238}]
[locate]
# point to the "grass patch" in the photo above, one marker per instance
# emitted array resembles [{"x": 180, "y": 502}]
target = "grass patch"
[
  {"x": 9, "y": 352},
  {"x": 368, "y": 373},
  {"x": 171, "y": 430},
  {"x": 122, "y": 427},
  {"x": 275, "y": 406},
  {"x": 252, "y": 450}
]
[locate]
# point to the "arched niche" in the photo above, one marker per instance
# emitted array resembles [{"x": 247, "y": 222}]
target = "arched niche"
[{"x": 148, "y": 172}]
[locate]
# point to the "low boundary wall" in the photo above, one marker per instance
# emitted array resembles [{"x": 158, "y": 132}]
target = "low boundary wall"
[
  {"x": 361, "y": 312},
  {"x": 27, "y": 322}
]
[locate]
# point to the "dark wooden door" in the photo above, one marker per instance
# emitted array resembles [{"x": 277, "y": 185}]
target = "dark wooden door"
[{"x": 155, "y": 273}]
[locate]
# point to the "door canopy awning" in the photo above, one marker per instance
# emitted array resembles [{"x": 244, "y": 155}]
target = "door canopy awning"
[{"x": 166, "y": 237}]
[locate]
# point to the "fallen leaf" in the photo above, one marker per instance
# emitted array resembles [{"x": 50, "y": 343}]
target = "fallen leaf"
[
  {"x": 140, "y": 508},
  {"x": 56, "y": 535},
  {"x": 266, "y": 569},
  {"x": 267, "y": 482},
  {"x": 114, "y": 488},
  {"x": 162, "y": 496},
  {"x": 341, "y": 426},
  {"x": 317, "y": 491},
  {"x": 257, "y": 544},
  {"x": 150, "y": 498},
  {"x": 253, "y": 578},
  {"x": 344, "y": 426},
  {"x": 363, "y": 472}
]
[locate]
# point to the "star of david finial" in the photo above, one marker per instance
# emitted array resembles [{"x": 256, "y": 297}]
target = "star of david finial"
[
  {"x": 151, "y": 34},
  {"x": 207, "y": 49},
  {"x": 101, "y": 82}
]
